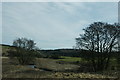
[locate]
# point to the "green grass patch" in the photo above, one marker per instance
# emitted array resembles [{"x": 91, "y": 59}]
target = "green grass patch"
[{"x": 69, "y": 59}]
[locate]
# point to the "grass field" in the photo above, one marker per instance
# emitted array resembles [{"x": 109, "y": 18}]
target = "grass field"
[
  {"x": 50, "y": 68},
  {"x": 69, "y": 59},
  {"x": 45, "y": 68}
]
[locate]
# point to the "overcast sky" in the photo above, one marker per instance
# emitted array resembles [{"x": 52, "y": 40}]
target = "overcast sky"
[{"x": 53, "y": 24}]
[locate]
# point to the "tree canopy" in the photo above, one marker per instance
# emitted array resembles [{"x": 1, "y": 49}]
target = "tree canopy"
[{"x": 99, "y": 37}]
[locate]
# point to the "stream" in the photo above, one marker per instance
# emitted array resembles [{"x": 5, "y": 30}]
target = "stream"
[{"x": 34, "y": 66}]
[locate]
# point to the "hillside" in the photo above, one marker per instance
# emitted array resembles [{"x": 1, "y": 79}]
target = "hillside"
[
  {"x": 59, "y": 52},
  {"x": 6, "y": 48}
]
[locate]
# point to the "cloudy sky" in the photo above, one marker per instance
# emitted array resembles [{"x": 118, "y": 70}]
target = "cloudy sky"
[{"x": 53, "y": 24}]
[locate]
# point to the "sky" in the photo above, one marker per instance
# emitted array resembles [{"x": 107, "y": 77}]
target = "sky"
[{"x": 53, "y": 25}]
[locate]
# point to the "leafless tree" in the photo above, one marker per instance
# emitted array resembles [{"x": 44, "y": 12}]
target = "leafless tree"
[
  {"x": 100, "y": 38},
  {"x": 24, "y": 49}
]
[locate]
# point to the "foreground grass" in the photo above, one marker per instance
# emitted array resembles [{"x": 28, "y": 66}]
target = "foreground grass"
[
  {"x": 11, "y": 69},
  {"x": 78, "y": 75}
]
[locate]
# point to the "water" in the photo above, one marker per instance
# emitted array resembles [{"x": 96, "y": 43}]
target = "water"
[
  {"x": 34, "y": 66},
  {"x": 31, "y": 66}
]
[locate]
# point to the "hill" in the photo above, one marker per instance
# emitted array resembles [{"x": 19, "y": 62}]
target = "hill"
[
  {"x": 59, "y": 52},
  {"x": 6, "y": 48}
]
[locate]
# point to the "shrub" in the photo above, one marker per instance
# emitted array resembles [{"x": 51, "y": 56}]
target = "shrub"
[
  {"x": 54, "y": 56},
  {"x": 24, "y": 50}
]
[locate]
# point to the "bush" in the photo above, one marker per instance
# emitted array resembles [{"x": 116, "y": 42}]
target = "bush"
[
  {"x": 24, "y": 50},
  {"x": 54, "y": 56},
  {"x": 25, "y": 57},
  {"x": 38, "y": 54}
]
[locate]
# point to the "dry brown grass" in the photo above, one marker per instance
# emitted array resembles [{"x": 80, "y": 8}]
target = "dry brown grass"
[
  {"x": 12, "y": 70},
  {"x": 52, "y": 65},
  {"x": 77, "y": 75}
]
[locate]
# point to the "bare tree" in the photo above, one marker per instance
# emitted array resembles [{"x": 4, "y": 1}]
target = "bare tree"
[
  {"x": 24, "y": 48},
  {"x": 99, "y": 38}
]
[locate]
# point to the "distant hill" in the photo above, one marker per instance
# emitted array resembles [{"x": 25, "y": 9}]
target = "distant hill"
[
  {"x": 65, "y": 52},
  {"x": 59, "y": 52}
]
